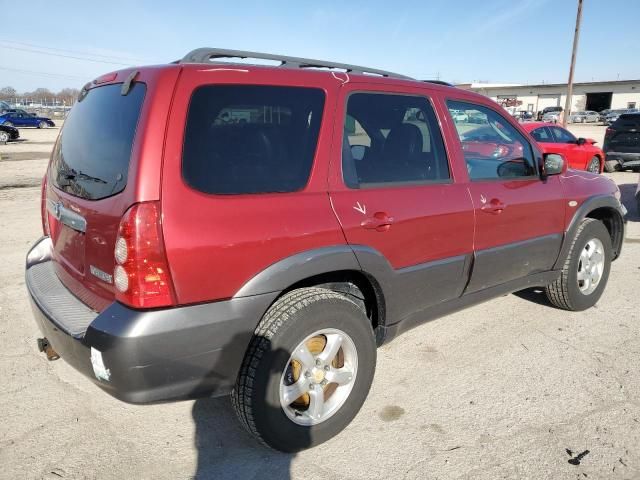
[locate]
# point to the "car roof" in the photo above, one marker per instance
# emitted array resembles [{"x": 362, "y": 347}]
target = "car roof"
[{"x": 529, "y": 126}]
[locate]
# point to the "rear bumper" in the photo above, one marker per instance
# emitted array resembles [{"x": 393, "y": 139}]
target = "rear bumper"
[
  {"x": 144, "y": 356},
  {"x": 625, "y": 159}
]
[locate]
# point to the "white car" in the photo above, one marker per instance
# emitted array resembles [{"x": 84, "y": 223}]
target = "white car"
[{"x": 459, "y": 116}]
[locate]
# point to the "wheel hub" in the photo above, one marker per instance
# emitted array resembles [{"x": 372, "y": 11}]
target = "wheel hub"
[
  {"x": 319, "y": 377},
  {"x": 590, "y": 266}
]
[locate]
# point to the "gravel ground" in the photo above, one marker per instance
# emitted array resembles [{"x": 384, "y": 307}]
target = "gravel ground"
[{"x": 512, "y": 388}]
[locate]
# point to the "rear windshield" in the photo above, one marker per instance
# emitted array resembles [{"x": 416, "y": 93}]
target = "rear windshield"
[
  {"x": 91, "y": 158},
  {"x": 628, "y": 120},
  {"x": 243, "y": 139}
]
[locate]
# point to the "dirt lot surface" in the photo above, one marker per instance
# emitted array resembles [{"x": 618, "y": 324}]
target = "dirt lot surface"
[{"x": 512, "y": 388}]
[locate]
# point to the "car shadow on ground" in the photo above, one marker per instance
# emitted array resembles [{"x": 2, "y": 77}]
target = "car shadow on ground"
[
  {"x": 225, "y": 449},
  {"x": 535, "y": 295},
  {"x": 628, "y": 199}
]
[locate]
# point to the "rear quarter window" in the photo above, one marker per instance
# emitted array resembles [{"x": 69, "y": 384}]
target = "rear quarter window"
[{"x": 243, "y": 139}]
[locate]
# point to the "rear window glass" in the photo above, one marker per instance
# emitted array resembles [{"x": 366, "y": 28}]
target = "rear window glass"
[
  {"x": 251, "y": 139},
  {"x": 91, "y": 158}
]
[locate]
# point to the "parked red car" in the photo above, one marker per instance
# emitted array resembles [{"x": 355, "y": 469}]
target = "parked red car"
[
  {"x": 212, "y": 228},
  {"x": 580, "y": 153}
]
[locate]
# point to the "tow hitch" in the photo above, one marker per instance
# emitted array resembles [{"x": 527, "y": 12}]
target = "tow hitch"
[{"x": 45, "y": 346}]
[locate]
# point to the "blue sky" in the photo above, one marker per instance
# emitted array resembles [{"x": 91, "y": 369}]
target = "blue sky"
[{"x": 519, "y": 41}]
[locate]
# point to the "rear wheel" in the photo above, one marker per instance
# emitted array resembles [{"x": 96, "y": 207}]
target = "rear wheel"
[
  {"x": 586, "y": 270},
  {"x": 43, "y": 125},
  {"x": 594, "y": 165},
  {"x": 8, "y": 124},
  {"x": 4, "y": 137},
  {"x": 611, "y": 166},
  {"x": 307, "y": 371}
]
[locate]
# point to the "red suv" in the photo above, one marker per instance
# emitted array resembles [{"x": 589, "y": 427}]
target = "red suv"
[{"x": 215, "y": 228}]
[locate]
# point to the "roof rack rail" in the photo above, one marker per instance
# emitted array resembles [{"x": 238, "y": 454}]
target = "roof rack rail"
[
  {"x": 207, "y": 55},
  {"x": 439, "y": 82}
]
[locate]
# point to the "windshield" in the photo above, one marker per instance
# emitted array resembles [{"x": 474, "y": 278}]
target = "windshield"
[{"x": 91, "y": 158}]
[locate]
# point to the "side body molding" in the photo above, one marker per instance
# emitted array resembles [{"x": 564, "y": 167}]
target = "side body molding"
[
  {"x": 405, "y": 290},
  {"x": 588, "y": 206}
]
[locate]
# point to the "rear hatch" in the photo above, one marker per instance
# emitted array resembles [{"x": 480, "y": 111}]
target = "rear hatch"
[
  {"x": 86, "y": 182},
  {"x": 624, "y": 135}
]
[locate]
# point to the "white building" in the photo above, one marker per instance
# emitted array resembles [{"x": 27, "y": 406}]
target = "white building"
[{"x": 596, "y": 96}]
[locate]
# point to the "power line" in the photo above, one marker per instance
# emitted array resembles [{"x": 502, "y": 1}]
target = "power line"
[
  {"x": 41, "y": 52},
  {"x": 44, "y": 74},
  {"x": 77, "y": 52}
]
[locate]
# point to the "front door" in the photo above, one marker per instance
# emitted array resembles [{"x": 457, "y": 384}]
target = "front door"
[
  {"x": 519, "y": 217},
  {"x": 394, "y": 194}
]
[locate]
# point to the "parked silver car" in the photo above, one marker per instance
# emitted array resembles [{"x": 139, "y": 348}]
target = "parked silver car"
[
  {"x": 587, "y": 116},
  {"x": 551, "y": 117}
]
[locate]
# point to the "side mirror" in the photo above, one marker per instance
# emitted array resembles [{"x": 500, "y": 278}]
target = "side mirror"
[
  {"x": 581, "y": 141},
  {"x": 553, "y": 164}
]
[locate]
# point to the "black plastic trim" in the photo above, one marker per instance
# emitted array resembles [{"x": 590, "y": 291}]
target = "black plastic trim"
[{"x": 588, "y": 206}]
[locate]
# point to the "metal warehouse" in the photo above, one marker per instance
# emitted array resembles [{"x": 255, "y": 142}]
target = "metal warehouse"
[{"x": 596, "y": 96}]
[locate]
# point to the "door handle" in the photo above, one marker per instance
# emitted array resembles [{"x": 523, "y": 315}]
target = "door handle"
[
  {"x": 495, "y": 206},
  {"x": 379, "y": 222}
]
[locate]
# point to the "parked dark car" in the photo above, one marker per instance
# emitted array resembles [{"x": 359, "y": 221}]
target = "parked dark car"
[
  {"x": 8, "y": 133},
  {"x": 622, "y": 143},
  {"x": 25, "y": 120},
  {"x": 548, "y": 110},
  {"x": 188, "y": 255}
]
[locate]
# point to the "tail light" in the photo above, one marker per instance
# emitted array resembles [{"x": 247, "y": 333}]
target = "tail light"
[
  {"x": 141, "y": 275},
  {"x": 43, "y": 207},
  {"x": 609, "y": 131}
]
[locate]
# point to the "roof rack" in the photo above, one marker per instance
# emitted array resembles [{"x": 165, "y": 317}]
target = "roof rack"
[
  {"x": 440, "y": 82},
  {"x": 207, "y": 55}
]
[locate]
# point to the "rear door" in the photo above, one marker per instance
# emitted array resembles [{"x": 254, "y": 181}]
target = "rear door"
[
  {"x": 519, "y": 217},
  {"x": 395, "y": 194},
  {"x": 93, "y": 179}
]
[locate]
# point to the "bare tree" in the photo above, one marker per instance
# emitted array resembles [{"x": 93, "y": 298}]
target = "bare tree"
[{"x": 8, "y": 93}]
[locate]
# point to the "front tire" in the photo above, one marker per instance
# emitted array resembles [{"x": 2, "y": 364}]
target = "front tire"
[
  {"x": 4, "y": 137},
  {"x": 307, "y": 371},
  {"x": 586, "y": 270},
  {"x": 8, "y": 124},
  {"x": 43, "y": 125}
]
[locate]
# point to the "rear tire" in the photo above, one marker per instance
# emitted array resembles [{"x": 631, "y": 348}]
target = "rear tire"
[
  {"x": 584, "y": 277},
  {"x": 594, "y": 165},
  {"x": 611, "y": 166},
  {"x": 271, "y": 366},
  {"x": 8, "y": 124}
]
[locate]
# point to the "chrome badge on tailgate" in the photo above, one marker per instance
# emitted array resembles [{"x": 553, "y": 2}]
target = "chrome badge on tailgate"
[{"x": 104, "y": 276}]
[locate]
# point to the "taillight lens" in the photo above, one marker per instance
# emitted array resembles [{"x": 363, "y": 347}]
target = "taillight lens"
[
  {"x": 608, "y": 131},
  {"x": 141, "y": 275},
  {"x": 43, "y": 207}
]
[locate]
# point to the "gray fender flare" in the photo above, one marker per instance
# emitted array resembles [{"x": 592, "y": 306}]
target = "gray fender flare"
[{"x": 591, "y": 204}]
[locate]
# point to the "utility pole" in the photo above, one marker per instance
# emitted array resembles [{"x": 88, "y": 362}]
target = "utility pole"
[{"x": 576, "y": 37}]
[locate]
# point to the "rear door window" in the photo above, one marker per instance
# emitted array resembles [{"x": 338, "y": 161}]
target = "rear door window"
[
  {"x": 392, "y": 139},
  {"x": 542, "y": 134},
  {"x": 243, "y": 139},
  {"x": 91, "y": 158},
  {"x": 562, "y": 136}
]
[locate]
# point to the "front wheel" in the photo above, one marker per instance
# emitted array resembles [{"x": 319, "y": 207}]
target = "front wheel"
[
  {"x": 586, "y": 269},
  {"x": 4, "y": 137},
  {"x": 307, "y": 371},
  {"x": 594, "y": 165},
  {"x": 8, "y": 124},
  {"x": 43, "y": 125}
]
